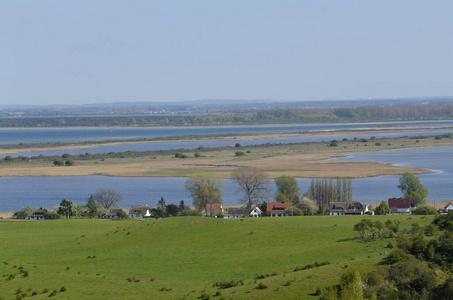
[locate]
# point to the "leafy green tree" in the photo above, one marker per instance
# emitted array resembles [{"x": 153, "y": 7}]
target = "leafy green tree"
[
  {"x": 172, "y": 210},
  {"x": 204, "y": 190},
  {"x": 412, "y": 188},
  {"x": 161, "y": 210},
  {"x": 66, "y": 156},
  {"x": 58, "y": 163},
  {"x": 67, "y": 208},
  {"x": 69, "y": 162},
  {"x": 288, "y": 187},
  {"x": 22, "y": 213},
  {"x": 8, "y": 158},
  {"x": 181, "y": 207},
  {"x": 253, "y": 183},
  {"x": 351, "y": 285},
  {"x": 425, "y": 210},
  {"x": 92, "y": 207},
  {"x": 51, "y": 215},
  {"x": 308, "y": 206},
  {"x": 294, "y": 211},
  {"x": 382, "y": 209}
]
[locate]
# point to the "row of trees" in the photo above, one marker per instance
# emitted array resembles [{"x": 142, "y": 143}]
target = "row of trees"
[
  {"x": 326, "y": 190},
  {"x": 255, "y": 186},
  {"x": 261, "y": 117}
]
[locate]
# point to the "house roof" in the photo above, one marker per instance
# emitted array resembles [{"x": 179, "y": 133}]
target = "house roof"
[
  {"x": 139, "y": 210},
  {"x": 113, "y": 211},
  {"x": 258, "y": 209},
  {"x": 239, "y": 211},
  {"x": 449, "y": 205},
  {"x": 214, "y": 207},
  {"x": 38, "y": 212},
  {"x": 346, "y": 207},
  {"x": 278, "y": 206},
  {"x": 399, "y": 203}
]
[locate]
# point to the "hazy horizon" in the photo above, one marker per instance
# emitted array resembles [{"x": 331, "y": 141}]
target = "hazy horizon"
[{"x": 91, "y": 52}]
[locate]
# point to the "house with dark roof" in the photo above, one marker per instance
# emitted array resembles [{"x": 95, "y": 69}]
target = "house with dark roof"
[
  {"x": 37, "y": 214},
  {"x": 347, "y": 208},
  {"x": 114, "y": 213},
  {"x": 140, "y": 212},
  {"x": 449, "y": 207},
  {"x": 242, "y": 213},
  {"x": 213, "y": 209},
  {"x": 277, "y": 209},
  {"x": 400, "y": 205}
]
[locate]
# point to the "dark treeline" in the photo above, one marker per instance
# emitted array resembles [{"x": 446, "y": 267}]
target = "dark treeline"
[{"x": 277, "y": 116}]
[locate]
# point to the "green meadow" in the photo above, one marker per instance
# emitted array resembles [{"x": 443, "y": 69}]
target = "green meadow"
[{"x": 184, "y": 257}]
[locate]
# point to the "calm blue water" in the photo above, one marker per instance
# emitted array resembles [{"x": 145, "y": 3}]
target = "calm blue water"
[
  {"x": 28, "y": 136},
  {"x": 17, "y": 192},
  {"x": 437, "y": 159}
]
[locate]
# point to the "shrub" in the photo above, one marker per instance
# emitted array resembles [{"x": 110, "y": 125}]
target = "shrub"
[
  {"x": 69, "y": 162},
  {"x": 237, "y": 145},
  {"x": 197, "y": 154},
  {"x": 261, "y": 286},
  {"x": 58, "y": 163},
  {"x": 334, "y": 143},
  {"x": 51, "y": 215},
  {"x": 228, "y": 284},
  {"x": 239, "y": 153},
  {"x": 8, "y": 158},
  {"x": 425, "y": 210}
]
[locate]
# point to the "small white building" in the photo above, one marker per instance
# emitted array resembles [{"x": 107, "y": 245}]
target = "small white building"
[
  {"x": 449, "y": 207},
  {"x": 140, "y": 212}
]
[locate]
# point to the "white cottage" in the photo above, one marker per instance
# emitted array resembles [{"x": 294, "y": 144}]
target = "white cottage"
[
  {"x": 140, "y": 212},
  {"x": 449, "y": 207}
]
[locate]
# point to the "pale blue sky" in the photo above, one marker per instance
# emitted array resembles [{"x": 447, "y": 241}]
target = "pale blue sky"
[{"x": 76, "y": 52}]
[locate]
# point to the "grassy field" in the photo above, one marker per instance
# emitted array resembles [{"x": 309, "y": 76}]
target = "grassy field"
[{"x": 182, "y": 258}]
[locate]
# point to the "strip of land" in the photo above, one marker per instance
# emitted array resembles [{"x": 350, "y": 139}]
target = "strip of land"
[
  {"x": 243, "y": 137},
  {"x": 308, "y": 160}
]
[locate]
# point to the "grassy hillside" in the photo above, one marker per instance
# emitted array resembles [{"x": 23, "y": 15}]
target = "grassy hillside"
[{"x": 182, "y": 257}]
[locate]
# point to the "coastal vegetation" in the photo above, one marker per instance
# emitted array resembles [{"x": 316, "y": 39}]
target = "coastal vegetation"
[
  {"x": 275, "y": 116},
  {"x": 295, "y": 159}
]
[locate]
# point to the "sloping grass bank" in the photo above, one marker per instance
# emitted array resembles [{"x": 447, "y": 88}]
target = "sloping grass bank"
[{"x": 183, "y": 257}]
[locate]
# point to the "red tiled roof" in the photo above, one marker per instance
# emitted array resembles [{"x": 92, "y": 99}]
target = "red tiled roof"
[
  {"x": 399, "y": 203},
  {"x": 214, "y": 207},
  {"x": 278, "y": 206}
]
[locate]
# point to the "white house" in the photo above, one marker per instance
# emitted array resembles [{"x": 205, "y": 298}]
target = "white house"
[
  {"x": 242, "y": 213},
  {"x": 140, "y": 212},
  {"x": 449, "y": 207}
]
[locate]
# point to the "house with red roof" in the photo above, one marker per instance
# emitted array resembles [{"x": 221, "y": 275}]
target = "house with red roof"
[
  {"x": 277, "y": 209},
  {"x": 213, "y": 209},
  {"x": 400, "y": 205}
]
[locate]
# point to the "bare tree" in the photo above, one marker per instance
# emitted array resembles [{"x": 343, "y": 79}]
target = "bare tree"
[
  {"x": 107, "y": 198},
  {"x": 204, "y": 190},
  {"x": 253, "y": 183}
]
